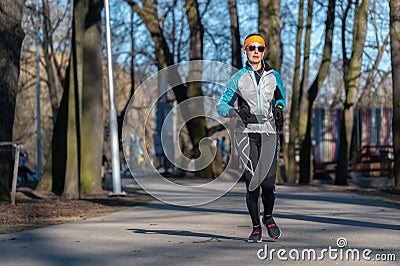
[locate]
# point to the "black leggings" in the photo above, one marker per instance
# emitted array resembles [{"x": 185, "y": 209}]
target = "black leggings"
[{"x": 268, "y": 184}]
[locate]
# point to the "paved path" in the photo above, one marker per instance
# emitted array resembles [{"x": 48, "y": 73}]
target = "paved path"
[{"x": 216, "y": 233}]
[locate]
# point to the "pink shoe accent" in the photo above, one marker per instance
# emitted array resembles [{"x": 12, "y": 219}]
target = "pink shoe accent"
[{"x": 271, "y": 225}]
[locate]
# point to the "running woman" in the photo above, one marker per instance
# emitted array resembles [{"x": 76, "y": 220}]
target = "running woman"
[{"x": 261, "y": 100}]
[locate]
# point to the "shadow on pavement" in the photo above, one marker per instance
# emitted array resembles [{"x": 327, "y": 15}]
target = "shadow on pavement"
[
  {"x": 346, "y": 200},
  {"x": 209, "y": 237},
  {"x": 310, "y": 218},
  {"x": 338, "y": 221}
]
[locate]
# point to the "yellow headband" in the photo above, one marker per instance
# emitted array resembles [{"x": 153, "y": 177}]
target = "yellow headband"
[{"x": 254, "y": 38}]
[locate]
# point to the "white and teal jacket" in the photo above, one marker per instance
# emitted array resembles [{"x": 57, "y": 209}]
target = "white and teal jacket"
[{"x": 260, "y": 97}]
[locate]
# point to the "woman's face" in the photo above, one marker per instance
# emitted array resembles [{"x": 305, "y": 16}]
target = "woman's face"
[{"x": 253, "y": 53}]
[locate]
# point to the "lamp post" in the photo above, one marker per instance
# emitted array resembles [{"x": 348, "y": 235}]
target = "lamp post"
[{"x": 116, "y": 171}]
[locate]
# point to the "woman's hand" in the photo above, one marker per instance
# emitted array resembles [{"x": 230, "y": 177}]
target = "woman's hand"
[{"x": 278, "y": 115}]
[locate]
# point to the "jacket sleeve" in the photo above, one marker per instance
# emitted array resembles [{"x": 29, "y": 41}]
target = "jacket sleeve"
[
  {"x": 228, "y": 97},
  {"x": 279, "y": 94}
]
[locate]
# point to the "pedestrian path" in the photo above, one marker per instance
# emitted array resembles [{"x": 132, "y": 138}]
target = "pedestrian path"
[{"x": 318, "y": 227}]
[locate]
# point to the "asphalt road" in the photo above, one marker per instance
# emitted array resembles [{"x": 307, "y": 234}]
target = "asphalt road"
[{"x": 318, "y": 227}]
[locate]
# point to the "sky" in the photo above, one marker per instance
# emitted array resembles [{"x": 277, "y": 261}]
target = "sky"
[{"x": 217, "y": 35}]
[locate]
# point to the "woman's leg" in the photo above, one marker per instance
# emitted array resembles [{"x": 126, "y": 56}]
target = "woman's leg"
[
  {"x": 253, "y": 205},
  {"x": 268, "y": 190},
  {"x": 268, "y": 198},
  {"x": 252, "y": 197},
  {"x": 268, "y": 185}
]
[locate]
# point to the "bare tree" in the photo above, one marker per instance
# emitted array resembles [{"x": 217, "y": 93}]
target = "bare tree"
[
  {"x": 235, "y": 32},
  {"x": 351, "y": 76},
  {"x": 120, "y": 117},
  {"x": 78, "y": 133},
  {"x": 55, "y": 26},
  {"x": 395, "y": 55},
  {"x": 373, "y": 73},
  {"x": 197, "y": 126},
  {"x": 269, "y": 26},
  {"x": 69, "y": 178},
  {"x": 51, "y": 62},
  {"x": 55, "y": 36},
  {"x": 289, "y": 151},
  {"x": 92, "y": 103},
  {"x": 165, "y": 57},
  {"x": 11, "y": 12},
  {"x": 308, "y": 96},
  {"x": 367, "y": 92}
]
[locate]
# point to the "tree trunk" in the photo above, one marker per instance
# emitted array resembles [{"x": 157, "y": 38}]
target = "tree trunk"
[
  {"x": 235, "y": 32},
  {"x": 78, "y": 133},
  {"x": 59, "y": 144},
  {"x": 55, "y": 83},
  {"x": 92, "y": 103},
  {"x": 351, "y": 86},
  {"x": 197, "y": 126},
  {"x": 309, "y": 97},
  {"x": 12, "y": 35},
  {"x": 289, "y": 152},
  {"x": 71, "y": 182},
  {"x": 395, "y": 55},
  {"x": 269, "y": 19}
]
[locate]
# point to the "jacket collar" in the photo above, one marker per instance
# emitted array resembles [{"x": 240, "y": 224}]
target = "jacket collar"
[{"x": 263, "y": 62}]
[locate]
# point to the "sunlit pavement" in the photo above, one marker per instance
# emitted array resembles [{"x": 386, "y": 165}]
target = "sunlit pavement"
[{"x": 318, "y": 227}]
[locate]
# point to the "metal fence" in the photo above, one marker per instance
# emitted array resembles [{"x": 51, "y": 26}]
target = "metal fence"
[{"x": 372, "y": 135}]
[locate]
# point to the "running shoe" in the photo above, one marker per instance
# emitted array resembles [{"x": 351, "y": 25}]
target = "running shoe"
[
  {"x": 255, "y": 237},
  {"x": 272, "y": 228}
]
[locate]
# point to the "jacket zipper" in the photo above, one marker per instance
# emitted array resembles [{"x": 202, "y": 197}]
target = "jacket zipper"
[{"x": 258, "y": 88}]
